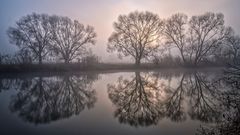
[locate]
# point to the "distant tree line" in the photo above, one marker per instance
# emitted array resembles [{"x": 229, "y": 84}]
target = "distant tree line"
[
  {"x": 177, "y": 40},
  {"x": 200, "y": 39},
  {"x": 40, "y": 36}
]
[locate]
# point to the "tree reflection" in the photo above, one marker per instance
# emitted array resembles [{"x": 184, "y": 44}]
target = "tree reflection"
[
  {"x": 45, "y": 99},
  {"x": 204, "y": 100},
  {"x": 230, "y": 120},
  {"x": 138, "y": 100},
  {"x": 144, "y": 99},
  {"x": 7, "y": 84},
  {"x": 174, "y": 104},
  {"x": 141, "y": 100}
]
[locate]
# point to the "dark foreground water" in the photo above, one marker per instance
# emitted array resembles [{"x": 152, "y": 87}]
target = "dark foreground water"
[{"x": 157, "y": 102}]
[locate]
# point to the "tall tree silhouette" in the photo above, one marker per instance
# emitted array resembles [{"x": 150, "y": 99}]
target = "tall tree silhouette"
[
  {"x": 232, "y": 49},
  {"x": 136, "y": 34},
  {"x": 32, "y": 33},
  {"x": 70, "y": 37},
  {"x": 175, "y": 31},
  {"x": 196, "y": 38}
]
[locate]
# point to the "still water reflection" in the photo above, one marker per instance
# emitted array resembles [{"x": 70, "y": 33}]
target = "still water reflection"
[{"x": 163, "y": 102}]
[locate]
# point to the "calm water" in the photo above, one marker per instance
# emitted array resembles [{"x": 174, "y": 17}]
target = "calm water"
[{"x": 158, "y": 102}]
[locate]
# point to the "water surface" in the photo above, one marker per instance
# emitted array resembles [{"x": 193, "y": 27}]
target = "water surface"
[{"x": 140, "y": 102}]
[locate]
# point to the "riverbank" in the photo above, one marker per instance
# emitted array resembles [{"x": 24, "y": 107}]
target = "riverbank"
[{"x": 74, "y": 67}]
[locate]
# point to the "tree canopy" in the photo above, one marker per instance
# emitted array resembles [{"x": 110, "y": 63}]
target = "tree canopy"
[
  {"x": 43, "y": 35},
  {"x": 136, "y": 34}
]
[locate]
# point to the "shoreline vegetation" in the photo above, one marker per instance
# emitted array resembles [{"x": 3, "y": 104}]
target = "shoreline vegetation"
[
  {"x": 51, "y": 43},
  {"x": 97, "y": 67}
]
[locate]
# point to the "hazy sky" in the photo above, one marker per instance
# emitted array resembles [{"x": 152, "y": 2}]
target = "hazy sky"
[{"x": 102, "y": 13}]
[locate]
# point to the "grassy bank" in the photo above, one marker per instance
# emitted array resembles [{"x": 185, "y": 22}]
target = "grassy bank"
[{"x": 72, "y": 67}]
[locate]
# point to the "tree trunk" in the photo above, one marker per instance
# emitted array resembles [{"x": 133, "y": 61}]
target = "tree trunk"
[
  {"x": 138, "y": 78},
  {"x": 66, "y": 61},
  {"x": 40, "y": 84},
  {"x": 196, "y": 61},
  {"x": 137, "y": 61},
  {"x": 39, "y": 59},
  {"x": 235, "y": 57},
  {"x": 183, "y": 57}
]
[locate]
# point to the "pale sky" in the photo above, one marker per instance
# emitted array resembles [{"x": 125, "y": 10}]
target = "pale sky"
[{"x": 102, "y": 13}]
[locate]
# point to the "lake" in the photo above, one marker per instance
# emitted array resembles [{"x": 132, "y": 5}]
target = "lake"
[{"x": 160, "y": 102}]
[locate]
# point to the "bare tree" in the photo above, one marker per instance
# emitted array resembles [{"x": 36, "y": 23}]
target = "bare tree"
[
  {"x": 69, "y": 37},
  {"x": 197, "y": 38},
  {"x": 207, "y": 32},
  {"x": 136, "y": 34},
  {"x": 233, "y": 47},
  {"x": 32, "y": 32},
  {"x": 22, "y": 57},
  {"x": 175, "y": 31}
]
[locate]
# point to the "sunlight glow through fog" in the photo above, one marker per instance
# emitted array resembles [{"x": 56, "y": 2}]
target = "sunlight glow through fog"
[{"x": 102, "y": 14}]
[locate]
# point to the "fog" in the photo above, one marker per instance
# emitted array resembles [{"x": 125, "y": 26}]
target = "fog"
[{"x": 102, "y": 14}]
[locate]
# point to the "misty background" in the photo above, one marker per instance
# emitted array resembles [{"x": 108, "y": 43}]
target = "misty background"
[{"x": 102, "y": 14}]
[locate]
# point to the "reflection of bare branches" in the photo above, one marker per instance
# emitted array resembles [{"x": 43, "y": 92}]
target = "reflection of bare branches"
[
  {"x": 174, "y": 104},
  {"x": 144, "y": 100},
  {"x": 137, "y": 101},
  {"x": 230, "y": 120},
  {"x": 76, "y": 92},
  {"x": 7, "y": 84},
  {"x": 232, "y": 76},
  {"x": 48, "y": 99},
  {"x": 199, "y": 94},
  {"x": 203, "y": 98}
]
